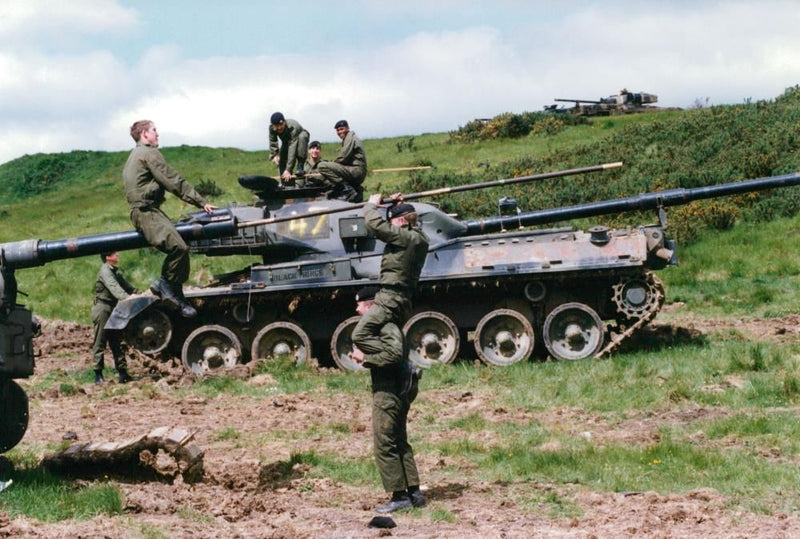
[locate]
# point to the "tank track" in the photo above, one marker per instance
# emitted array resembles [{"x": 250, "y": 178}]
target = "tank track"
[{"x": 641, "y": 316}]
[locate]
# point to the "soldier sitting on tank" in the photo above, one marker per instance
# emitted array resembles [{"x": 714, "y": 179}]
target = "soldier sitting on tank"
[
  {"x": 312, "y": 175},
  {"x": 394, "y": 388},
  {"x": 109, "y": 288},
  {"x": 345, "y": 174},
  {"x": 146, "y": 177},
  {"x": 293, "y": 148}
]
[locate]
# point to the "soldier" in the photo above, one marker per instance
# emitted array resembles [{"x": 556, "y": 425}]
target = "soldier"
[
  {"x": 293, "y": 149},
  {"x": 346, "y": 173},
  {"x": 109, "y": 288},
  {"x": 314, "y": 156},
  {"x": 403, "y": 257},
  {"x": 146, "y": 176},
  {"x": 394, "y": 387}
]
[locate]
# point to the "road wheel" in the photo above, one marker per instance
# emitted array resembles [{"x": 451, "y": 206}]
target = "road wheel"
[
  {"x": 149, "y": 332},
  {"x": 342, "y": 345},
  {"x": 14, "y": 417},
  {"x": 282, "y": 339},
  {"x": 432, "y": 339},
  {"x": 209, "y": 348},
  {"x": 503, "y": 337},
  {"x": 573, "y": 331}
]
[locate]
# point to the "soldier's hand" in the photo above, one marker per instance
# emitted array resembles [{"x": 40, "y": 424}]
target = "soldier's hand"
[
  {"x": 276, "y": 160},
  {"x": 286, "y": 176},
  {"x": 375, "y": 199},
  {"x": 397, "y": 197},
  {"x": 357, "y": 355},
  {"x": 208, "y": 208}
]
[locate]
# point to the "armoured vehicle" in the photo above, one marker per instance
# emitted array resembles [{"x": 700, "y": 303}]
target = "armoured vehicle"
[
  {"x": 622, "y": 103},
  {"x": 509, "y": 289}
]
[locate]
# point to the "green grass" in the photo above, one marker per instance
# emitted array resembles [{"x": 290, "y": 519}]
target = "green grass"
[{"x": 39, "y": 494}]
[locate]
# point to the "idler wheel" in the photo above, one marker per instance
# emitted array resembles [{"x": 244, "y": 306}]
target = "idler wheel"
[
  {"x": 14, "y": 414},
  {"x": 432, "y": 339},
  {"x": 282, "y": 339},
  {"x": 209, "y": 348},
  {"x": 504, "y": 337},
  {"x": 573, "y": 331},
  {"x": 342, "y": 345}
]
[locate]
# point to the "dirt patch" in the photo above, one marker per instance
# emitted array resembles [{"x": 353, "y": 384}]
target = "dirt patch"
[{"x": 251, "y": 488}]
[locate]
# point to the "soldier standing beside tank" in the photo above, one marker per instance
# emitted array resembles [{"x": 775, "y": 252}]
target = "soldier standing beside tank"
[
  {"x": 146, "y": 177},
  {"x": 401, "y": 264},
  {"x": 346, "y": 173},
  {"x": 109, "y": 288},
  {"x": 394, "y": 387},
  {"x": 293, "y": 148}
]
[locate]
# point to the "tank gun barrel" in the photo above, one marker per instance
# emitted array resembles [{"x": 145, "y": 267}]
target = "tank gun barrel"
[
  {"x": 31, "y": 253},
  {"x": 654, "y": 200},
  {"x": 578, "y": 101},
  {"x": 440, "y": 191}
]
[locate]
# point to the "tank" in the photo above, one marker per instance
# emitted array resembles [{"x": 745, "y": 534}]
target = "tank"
[
  {"x": 622, "y": 103},
  {"x": 492, "y": 286}
]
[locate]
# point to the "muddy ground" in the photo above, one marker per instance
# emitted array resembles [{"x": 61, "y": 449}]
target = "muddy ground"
[{"x": 247, "y": 491}]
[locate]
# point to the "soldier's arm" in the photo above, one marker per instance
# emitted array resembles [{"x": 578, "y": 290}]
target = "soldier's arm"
[
  {"x": 173, "y": 182},
  {"x": 110, "y": 282},
  {"x": 383, "y": 229},
  {"x": 128, "y": 287},
  {"x": 273, "y": 144}
]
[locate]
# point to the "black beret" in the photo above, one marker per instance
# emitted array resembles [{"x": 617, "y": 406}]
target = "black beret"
[
  {"x": 400, "y": 210},
  {"x": 276, "y": 118},
  {"x": 341, "y": 123},
  {"x": 367, "y": 293},
  {"x": 314, "y": 144}
]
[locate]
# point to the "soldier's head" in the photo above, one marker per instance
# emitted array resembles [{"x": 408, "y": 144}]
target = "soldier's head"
[
  {"x": 278, "y": 122},
  {"x": 342, "y": 128},
  {"x": 364, "y": 299},
  {"x": 112, "y": 258},
  {"x": 402, "y": 214},
  {"x": 146, "y": 131},
  {"x": 314, "y": 150}
]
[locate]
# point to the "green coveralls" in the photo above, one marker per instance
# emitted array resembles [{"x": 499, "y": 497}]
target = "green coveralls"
[
  {"x": 401, "y": 264},
  {"x": 390, "y": 372},
  {"x": 349, "y": 166},
  {"x": 294, "y": 145},
  {"x": 109, "y": 288},
  {"x": 146, "y": 177}
]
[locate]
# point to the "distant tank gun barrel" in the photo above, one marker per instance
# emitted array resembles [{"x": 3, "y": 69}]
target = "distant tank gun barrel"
[
  {"x": 577, "y": 101},
  {"x": 440, "y": 191},
  {"x": 654, "y": 200},
  {"x": 31, "y": 253}
]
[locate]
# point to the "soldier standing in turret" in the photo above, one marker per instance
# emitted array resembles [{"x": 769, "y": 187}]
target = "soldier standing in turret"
[
  {"x": 293, "y": 148},
  {"x": 109, "y": 288},
  {"x": 346, "y": 173},
  {"x": 146, "y": 177}
]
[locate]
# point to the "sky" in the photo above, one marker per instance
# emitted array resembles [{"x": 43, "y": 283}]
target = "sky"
[{"x": 75, "y": 74}]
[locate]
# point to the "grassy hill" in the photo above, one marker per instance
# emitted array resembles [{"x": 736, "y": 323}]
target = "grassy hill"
[{"x": 52, "y": 196}]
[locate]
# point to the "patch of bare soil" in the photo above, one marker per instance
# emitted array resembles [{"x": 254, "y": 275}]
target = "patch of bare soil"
[{"x": 250, "y": 489}]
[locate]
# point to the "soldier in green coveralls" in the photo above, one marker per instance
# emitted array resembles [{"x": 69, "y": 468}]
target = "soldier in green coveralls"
[
  {"x": 346, "y": 173},
  {"x": 293, "y": 149},
  {"x": 394, "y": 387},
  {"x": 109, "y": 288},
  {"x": 403, "y": 257},
  {"x": 146, "y": 177}
]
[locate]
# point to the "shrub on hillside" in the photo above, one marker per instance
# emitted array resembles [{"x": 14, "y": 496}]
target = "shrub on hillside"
[{"x": 508, "y": 125}]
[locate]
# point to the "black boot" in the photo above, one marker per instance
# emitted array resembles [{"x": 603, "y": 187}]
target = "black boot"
[
  {"x": 417, "y": 499},
  {"x": 187, "y": 309},
  {"x": 163, "y": 289},
  {"x": 124, "y": 377},
  {"x": 399, "y": 502},
  {"x": 98, "y": 377},
  {"x": 348, "y": 194}
]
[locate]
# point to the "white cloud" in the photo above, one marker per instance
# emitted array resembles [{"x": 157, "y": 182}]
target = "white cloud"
[{"x": 428, "y": 81}]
